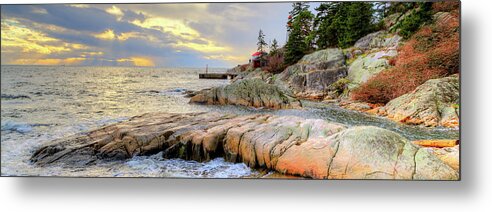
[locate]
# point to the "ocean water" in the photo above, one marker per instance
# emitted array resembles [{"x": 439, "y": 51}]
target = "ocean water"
[{"x": 42, "y": 103}]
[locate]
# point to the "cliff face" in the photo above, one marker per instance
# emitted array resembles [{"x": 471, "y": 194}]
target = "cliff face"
[{"x": 311, "y": 76}]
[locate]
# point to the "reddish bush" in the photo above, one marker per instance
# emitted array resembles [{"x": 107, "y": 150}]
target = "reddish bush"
[
  {"x": 432, "y": 52},
  {"x": 275, "y": 63},
  {"x": 392, "y": 61},
  {"x": 445, "y": 6},
  {"x": 243, "y": 67}
]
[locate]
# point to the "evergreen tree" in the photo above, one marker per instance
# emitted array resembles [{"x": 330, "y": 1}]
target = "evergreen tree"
[
  {"x": 295, "y": 47},
  {"x": 418, "y": 17},
  {"x": 274, "y": 47},
  {"x": 299, "y": 41},
  {"x": 399, "y": 7},
  {"x": 261, "y": 41},
  {"x": 298, "y": 7},
  {"x": 343, "y": 23},
  {"x": 325, "y": 29},
  {"x": 356, "y": 23}
]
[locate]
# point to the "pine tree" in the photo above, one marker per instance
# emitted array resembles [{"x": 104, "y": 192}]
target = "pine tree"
[
  {"x": 274, "y": 47},
  {"x": 341, "y": 24},
  {"x": 356, "y": 24},
  {"x": 261, "y": 41},
  {"x": 410, "y": 24},
  {"x": 295, "y": 47},
  {"x": 298, "y": 7},
  {"x": 299, "y": 41},
  {"x": 325, "y": 29}
]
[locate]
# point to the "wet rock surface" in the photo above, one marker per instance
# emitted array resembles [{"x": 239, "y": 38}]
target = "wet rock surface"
[{"x": 312, "y": 148}]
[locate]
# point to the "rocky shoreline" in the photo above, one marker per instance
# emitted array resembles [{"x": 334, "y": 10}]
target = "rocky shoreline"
[
  {"x": 329, "y": 75},
  {"x": 291, "y": 145},
  {"x": 433, "y": 104}
]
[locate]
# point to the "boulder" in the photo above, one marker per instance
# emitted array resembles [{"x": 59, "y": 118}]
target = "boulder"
[
  {"x": 240, "y": 68},
  {"x": 376, "y": 40},
  {"x": 311, "y": 76},
  {"x": 449, "y": 155},
  {"x": 445, "y": 18},
  {"x": 434, "y": 103},
  {"x": 439, "y": 170},
  {"x": 290, "y": 145},
  {"x": 391, "y": 20},
  {"x": 253, "y": 73},
  {"x": 247, "y": 92},
  {"x": 366, "y": 66}
]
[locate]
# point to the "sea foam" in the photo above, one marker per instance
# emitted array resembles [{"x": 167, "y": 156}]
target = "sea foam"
[{"x": 16, "y": 127}]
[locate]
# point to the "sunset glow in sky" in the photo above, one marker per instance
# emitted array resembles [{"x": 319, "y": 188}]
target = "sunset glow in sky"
[{"x": 164, "y": 35}]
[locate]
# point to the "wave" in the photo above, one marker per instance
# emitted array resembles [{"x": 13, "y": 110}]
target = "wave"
[
  {"x": 172, "y": 92},
  {"x": 107, "y": 120},
  {"x": 9, "y": 96},
  {"x": 216, "y": 168},
  {"x": 177, "y": 90},
  {"x": 16, "y": 127}
]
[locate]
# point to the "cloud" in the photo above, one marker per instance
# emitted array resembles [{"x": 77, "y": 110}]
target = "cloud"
[
  {"x": 106, "y": 35},
  {"x": 230, "y": 58},
  {"x": 82, "y": 19},
  {"x": 219, "y": 34},
  {"x": 50, "y": 61},
  {"x": 115, "y": 11},
  {"x": 17, "y": 37},
  {"x": 138, "y": 61}
]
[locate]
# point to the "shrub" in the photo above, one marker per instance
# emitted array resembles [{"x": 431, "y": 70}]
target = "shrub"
[
  {"x": 340, "y": 86},
  {"x": 275, "y": 63},
  {"x": 392, "y": 61},
  {"x": 244, "y": 67},
  {"x": 445, "y": 6},
  {"x": 432, "y": 52}
]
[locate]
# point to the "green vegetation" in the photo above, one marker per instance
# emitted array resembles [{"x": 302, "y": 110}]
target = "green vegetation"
[
  {"x": 341, "y": 24},
  {"x": 431, "y": 52},
  {"x": 274, "y": 47},
  {"x": 431, "y": 49},
  {"x": 261, "y": 41},
  {"x": 340, "y": 87},
  {"x": 411, "y": 23},
  {"x": 336, "y": 24},
  {"x": 299, "y": 29}
]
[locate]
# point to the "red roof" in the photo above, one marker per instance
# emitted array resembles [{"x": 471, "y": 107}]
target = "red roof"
[{"x": 256, "y": 54}]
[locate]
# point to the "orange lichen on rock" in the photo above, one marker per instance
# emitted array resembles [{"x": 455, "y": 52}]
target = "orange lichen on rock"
[{"x": 437, "y": 143}]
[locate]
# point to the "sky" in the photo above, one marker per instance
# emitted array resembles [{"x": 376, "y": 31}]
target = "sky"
[{"x": 160, "y": 35}]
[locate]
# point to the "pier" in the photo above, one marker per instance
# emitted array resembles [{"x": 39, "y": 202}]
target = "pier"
[
  {"x": 217, "y": 76},
  {"x": 207, "y": 75}
]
